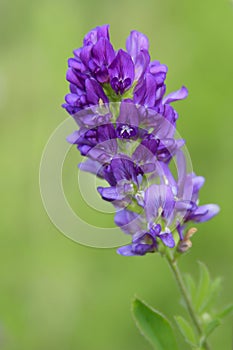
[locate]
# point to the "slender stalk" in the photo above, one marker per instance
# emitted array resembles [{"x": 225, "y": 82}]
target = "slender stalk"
[{"x": 179, "y": 279}]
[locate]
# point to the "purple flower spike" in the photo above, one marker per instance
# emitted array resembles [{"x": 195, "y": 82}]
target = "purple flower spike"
[
  {"x": 127, "y": 134},
  {"x": 121, "y": 72}
]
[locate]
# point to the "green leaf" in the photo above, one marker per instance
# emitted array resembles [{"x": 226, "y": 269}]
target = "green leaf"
[
  {"x": 210, "y": 327},
  {"x": 205, "y": 296},
  {"x": 186, "y": 330},
  {"x": 203, "y": 287},
  {"x": 214, "y": 291},
  {"x": 226, "y": 311},
  {"x": 191, "y": 286},
  {"x": 154, "y": 326}
]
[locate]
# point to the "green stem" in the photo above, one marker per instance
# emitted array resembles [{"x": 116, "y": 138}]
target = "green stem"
[{"x": 179, "y": 279}]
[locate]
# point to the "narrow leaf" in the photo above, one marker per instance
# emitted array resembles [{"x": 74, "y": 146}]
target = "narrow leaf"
[
  {"x": 210, "y": 327},
  {"x": 186, "y": 330},
  {"x": 191, "y": 286},
  {"x": 203, "y": 287},
  {"x": 226, "y": 311},
  {"x": 214, "y": 292},
  {"x": 154, "y": 326}
]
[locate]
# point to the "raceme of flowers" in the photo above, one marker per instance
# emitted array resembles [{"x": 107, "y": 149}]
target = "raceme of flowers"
[{"x": 127, "y": 132}]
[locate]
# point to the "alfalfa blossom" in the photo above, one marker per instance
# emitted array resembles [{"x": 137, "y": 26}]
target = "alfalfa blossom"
[
  {"x": 99, "y": 74},
  {"x": 127, "y": 132}
]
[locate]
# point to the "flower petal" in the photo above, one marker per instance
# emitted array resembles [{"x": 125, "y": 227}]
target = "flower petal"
[
  {"x": 129, "y": 222},
  {"x": 135, "y": 43},
  {"x": 111, "y": 193},
  {"x": 91, "y": 166},
  {"x": 128, "y": 114},
  {"x": 167, "y": 239},
  {"x": 126, "y": 251},
  {"x": 103, "y": 52},
  {"x": 121, "y": 72},
  {"x": 159, "y": 199},
  {"x": 73, "y": 138},
  {"x": 95, "y": 34},
  {"x": 95, "y": 92},
  {"x": 141, "y": 64},
  {"x": 145, "y": 92},
  {"x": 159, "y": 71},
  {"x": 74, "y": 78},
  {"x": 205, "y": 213},
  {"x": 180, "y": 94}
]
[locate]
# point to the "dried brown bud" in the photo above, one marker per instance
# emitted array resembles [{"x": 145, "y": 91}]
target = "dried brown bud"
[
  {"x": 190, "y": 233},
  {"x": 184, "y": 245}
]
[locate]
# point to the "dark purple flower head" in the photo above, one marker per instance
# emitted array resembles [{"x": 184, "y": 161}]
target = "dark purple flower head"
[{"x": 127, "y": 72}]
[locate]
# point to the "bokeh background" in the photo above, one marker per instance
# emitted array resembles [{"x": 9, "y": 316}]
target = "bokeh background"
[{"x": 55, "y": 293}]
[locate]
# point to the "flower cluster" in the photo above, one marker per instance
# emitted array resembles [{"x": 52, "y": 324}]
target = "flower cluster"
[{"x": 127, "y": 132}]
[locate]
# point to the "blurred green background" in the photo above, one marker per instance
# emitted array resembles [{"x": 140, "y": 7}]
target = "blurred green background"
[{"x": 57, "y": 294}]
